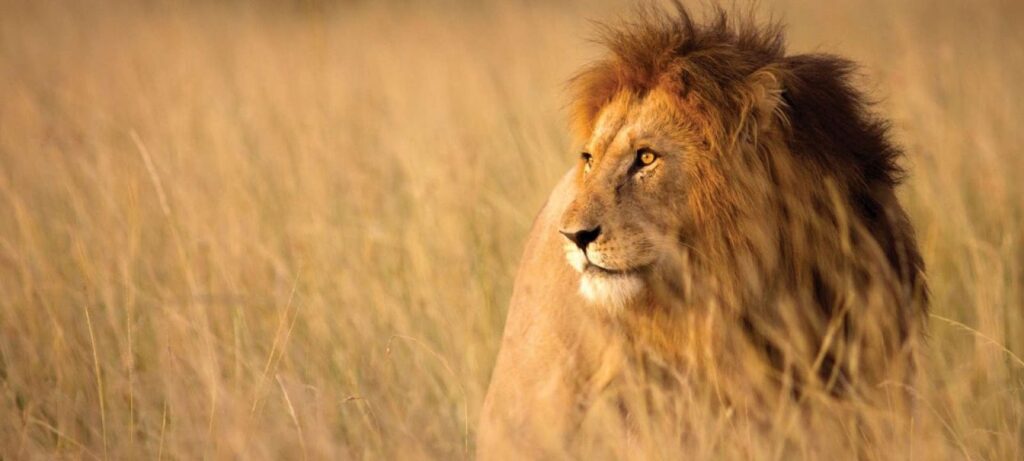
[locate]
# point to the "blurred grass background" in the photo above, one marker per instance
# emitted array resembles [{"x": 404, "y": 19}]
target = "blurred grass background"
[{"x": 282, "y": 230}]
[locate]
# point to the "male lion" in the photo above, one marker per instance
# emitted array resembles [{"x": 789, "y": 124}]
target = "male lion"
[{"x": 730, "y": 231}]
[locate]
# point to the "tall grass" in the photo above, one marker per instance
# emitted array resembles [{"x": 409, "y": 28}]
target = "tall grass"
[{"x": 283, "y": 231}]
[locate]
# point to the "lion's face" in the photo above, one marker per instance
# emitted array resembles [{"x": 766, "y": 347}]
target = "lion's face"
[{"x": 630, "y": 204}]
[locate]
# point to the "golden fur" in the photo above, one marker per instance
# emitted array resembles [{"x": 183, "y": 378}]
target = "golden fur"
[{"x": 760, "y": 252}]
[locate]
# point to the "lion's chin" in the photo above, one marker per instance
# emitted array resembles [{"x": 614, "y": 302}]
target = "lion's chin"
[{"x": 613, "y": 291}]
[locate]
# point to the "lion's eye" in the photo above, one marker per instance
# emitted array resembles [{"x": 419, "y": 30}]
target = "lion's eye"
[{"x": 646, "y": 157}]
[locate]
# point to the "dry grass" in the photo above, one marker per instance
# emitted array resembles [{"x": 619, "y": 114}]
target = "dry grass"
[{"x": 280, "y": 231}]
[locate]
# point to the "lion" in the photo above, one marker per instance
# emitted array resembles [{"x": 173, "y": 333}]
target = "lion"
[{"x": 730, "y": 229}]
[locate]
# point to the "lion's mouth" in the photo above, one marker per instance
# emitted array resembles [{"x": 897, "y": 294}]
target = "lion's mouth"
[
  {"x": 594, "y": 269},
  {"x": 584, "y": 265}
]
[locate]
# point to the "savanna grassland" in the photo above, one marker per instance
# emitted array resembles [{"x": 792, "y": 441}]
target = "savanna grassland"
[{"x": 289, "y": 231}]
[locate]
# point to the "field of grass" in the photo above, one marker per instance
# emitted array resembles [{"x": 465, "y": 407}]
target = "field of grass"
[{"x": 267, "y": 231}]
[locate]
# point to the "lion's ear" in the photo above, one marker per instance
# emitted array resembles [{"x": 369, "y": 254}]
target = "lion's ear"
[{"x": 764, "y": 105}]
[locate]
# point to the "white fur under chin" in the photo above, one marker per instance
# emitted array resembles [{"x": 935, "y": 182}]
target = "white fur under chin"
[{"x": 613, "y": 292}]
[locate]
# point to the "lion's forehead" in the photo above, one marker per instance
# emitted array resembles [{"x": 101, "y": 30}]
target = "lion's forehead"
[
  {"x": 625, "y": 120},
  {"x": 609, "y": 125}
]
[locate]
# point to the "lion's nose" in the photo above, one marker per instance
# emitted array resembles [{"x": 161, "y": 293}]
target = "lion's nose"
[{"x": 582, "y": 238}]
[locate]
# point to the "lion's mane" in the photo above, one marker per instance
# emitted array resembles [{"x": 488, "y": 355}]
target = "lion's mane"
[{"x": 797, "y": 240}]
